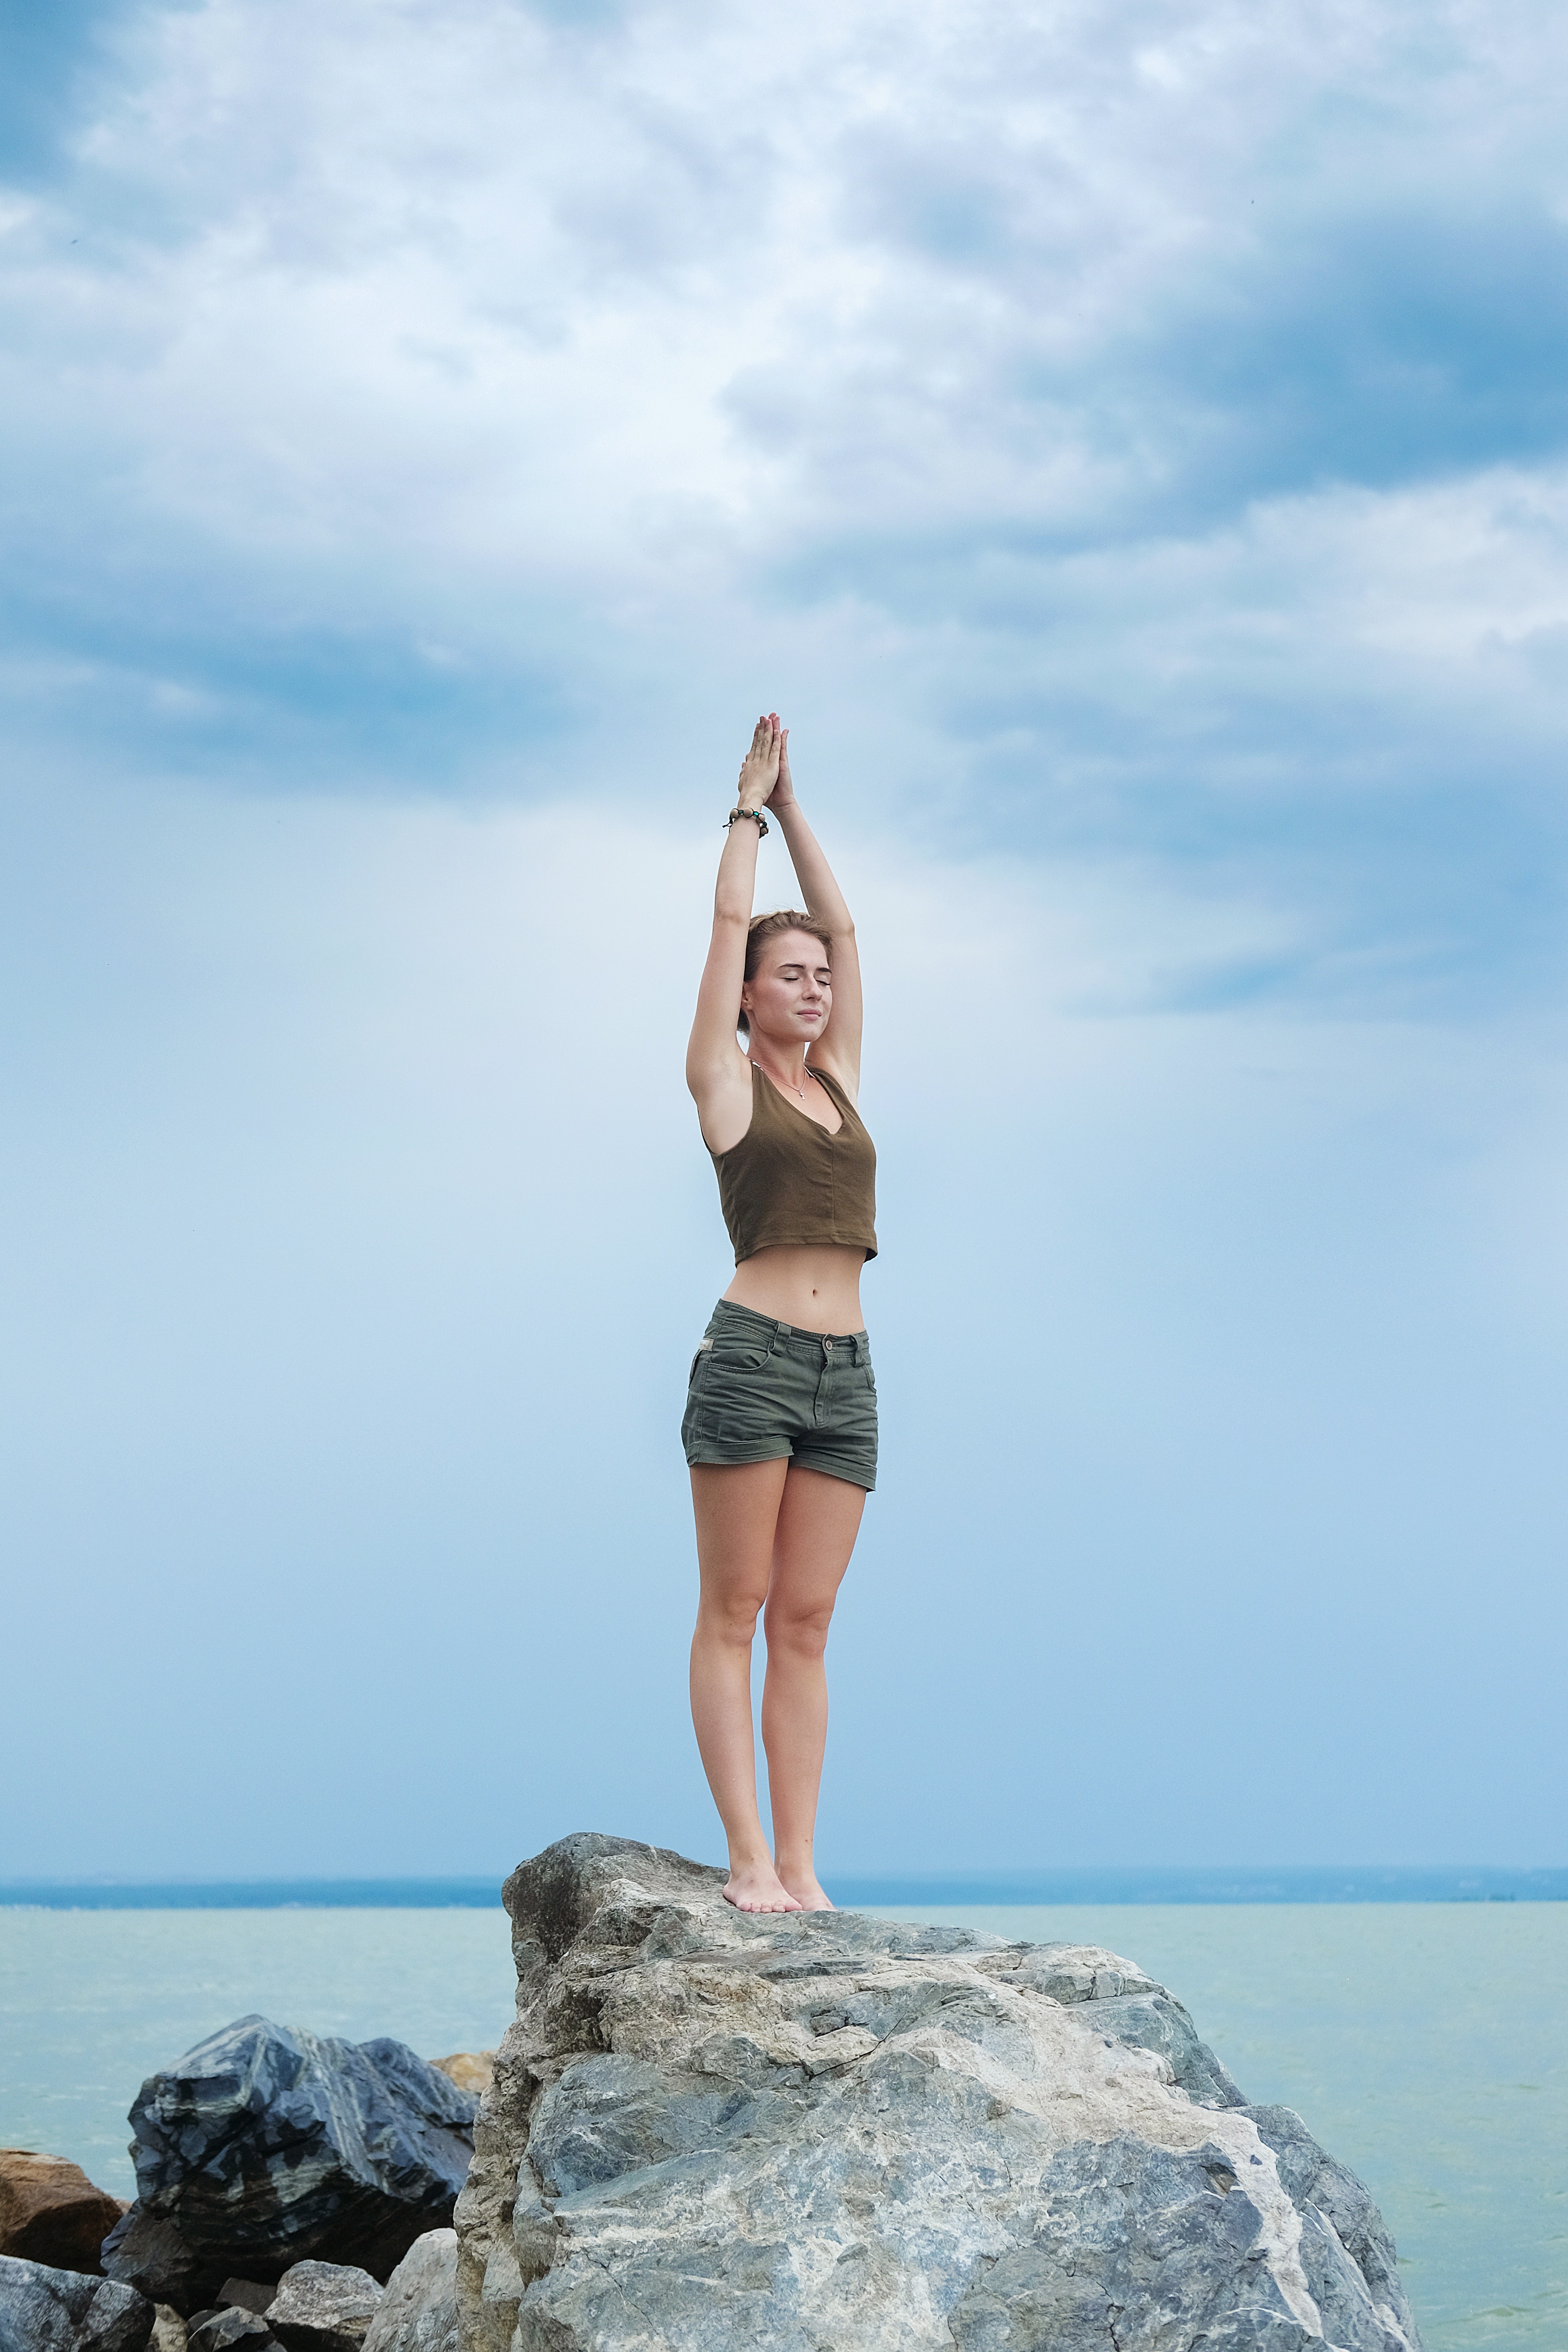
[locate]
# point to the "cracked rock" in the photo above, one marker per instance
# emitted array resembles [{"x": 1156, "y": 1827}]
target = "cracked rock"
[
  {"x": 47, "y": 2310},
  {"x": 817, "y": 2130}
]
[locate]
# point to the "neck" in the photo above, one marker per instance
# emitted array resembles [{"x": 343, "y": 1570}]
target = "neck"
[{"x": 789, "y": 1068}]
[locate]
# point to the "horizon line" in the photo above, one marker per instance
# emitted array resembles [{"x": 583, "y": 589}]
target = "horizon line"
[{"x": 1061, "y": 1885}]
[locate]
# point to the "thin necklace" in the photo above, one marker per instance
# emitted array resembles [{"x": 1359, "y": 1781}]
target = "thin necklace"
[{"x": 799, "y": 1090}]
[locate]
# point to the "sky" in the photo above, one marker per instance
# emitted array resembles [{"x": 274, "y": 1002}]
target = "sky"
[{"x": 1129, "y": 443}]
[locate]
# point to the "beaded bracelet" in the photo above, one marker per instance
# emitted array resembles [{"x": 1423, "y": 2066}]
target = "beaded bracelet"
[{"x": 761, "y": 822}]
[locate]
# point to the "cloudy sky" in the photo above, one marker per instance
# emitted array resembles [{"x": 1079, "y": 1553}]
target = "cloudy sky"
[{"x": 1130, "y": 445}]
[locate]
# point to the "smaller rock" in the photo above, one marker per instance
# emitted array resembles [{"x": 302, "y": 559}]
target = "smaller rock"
[
  {"x": 47, "y": 2310},
  {"x": 147, "y": 2253},
  {"x": 248, "y": 2294},
  {"x": 471, "y": 2070},
  {"x": 230, "y": 2324},
  {"x": 419, "y": 2310},
  {"x": 323, "y": 2307},
  {"x": 51, "y": 2213},
  {"x": 169, "y": 2333}
]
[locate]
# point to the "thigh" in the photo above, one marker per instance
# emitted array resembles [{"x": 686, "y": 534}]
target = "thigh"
[
  {"x": 737, "y": 1509},
  {"x": 819, "y": 1520}
]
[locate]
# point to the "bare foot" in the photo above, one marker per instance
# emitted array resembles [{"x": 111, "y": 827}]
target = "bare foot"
[
  {"x": 758, "y": 1887},
  {"x": 808, "y": 1894}
]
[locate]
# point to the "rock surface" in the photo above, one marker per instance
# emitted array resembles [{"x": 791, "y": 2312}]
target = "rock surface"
[
  {"x": 43, "y": 2309},
  {"x": 265, "y": 2146},
  {"x": 471, "y": 2070},
  {"x": 828, "y": 2132},
  {"x": 249, "y": 2294},
  {"x": 228, "y": 2324},
  {"x": 419, "y": 2310},
  {"x": 51, "y": 2213},
  {"x": 323, "y": 2307}
]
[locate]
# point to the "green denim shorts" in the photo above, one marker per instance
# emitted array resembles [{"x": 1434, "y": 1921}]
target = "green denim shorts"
[{"x": 763, "y": 1391}]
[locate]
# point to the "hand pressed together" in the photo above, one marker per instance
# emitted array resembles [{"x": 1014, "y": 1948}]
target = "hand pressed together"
[{"x": 759, "y": 767}]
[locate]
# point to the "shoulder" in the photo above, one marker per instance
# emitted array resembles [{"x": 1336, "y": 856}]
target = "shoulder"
[
  {"x": 725, "y": 1097},
  {"x": 833, "y": 1077}
]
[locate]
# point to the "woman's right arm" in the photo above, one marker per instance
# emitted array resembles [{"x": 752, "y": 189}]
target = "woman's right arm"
[{"x": 716, "y": 1072}]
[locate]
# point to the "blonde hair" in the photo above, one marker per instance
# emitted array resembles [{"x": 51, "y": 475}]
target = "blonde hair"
[{"x": 764, "y": 927}]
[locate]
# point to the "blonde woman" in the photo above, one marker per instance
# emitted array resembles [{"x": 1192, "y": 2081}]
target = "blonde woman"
[{"x": 780, "y": 1428}]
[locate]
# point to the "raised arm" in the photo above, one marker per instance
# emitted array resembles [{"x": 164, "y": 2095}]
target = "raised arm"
[
  {"x": 838, "y": 1048},
  {"x": 716, "y": 1072}
]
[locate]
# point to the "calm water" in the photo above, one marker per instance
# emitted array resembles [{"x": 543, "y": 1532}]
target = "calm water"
[{"x": 1426, "y": 2044}]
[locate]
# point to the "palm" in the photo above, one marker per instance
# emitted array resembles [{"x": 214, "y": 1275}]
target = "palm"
[
  {"x": 784, "y": 790},
  {"x": 759, "y": 767}
]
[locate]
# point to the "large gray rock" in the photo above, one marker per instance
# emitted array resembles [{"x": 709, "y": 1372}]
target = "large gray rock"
[
  {"x": 419, "y": 2310},
  {"x": 47, "y": 2310},
  {"x": 265, "y": 2146},
  {"x": 827, "y": 2133}
]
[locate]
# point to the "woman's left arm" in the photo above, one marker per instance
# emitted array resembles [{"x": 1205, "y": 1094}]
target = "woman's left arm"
[{"x": 838, "y": 1047}]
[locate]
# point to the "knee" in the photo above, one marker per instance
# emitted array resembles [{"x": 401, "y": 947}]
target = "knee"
[
  {"x": 803, "y": 1633},
  {"x": 731, "y": 1620}
]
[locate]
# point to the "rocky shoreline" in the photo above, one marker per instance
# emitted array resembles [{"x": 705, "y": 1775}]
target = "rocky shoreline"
[
  {"x": 818, "y": 2133},
  {"x": 292, "y": 2190}
]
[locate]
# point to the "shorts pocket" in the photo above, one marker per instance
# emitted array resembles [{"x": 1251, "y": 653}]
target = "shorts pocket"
[{"x": 738, "y": 1356}]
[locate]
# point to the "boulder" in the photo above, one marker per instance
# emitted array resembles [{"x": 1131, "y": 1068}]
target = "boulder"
[
  {"x": 227, "y": 2324},
  {"x": 419, "y": 2310},
  {"x": 249, "y": 2294},
  {"x": 323, "y": 2307},
  {"x": 47, "y": 2310},
  {"x": 51, "y": 2213},
  {"x": 822, "y": 2129},
  {"x": 471, "y": 2070},
  {"x": 265, "y": 2146}
]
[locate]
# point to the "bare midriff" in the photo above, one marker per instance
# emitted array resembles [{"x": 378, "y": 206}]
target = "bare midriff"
[{"x": 815, "y": 1286}]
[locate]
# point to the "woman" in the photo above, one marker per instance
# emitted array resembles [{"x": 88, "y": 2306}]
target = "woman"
[{"x": 781, "y": 1416}]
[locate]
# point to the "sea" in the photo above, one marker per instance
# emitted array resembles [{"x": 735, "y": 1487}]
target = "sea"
[{"x": 1424, "y": 2040}]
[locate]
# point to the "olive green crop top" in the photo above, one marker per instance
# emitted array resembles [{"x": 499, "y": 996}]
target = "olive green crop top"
[{"x": 788, "y": 1183}]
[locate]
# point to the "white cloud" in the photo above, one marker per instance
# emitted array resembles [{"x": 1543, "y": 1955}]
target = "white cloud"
[{"x": 1129, "y": 445}]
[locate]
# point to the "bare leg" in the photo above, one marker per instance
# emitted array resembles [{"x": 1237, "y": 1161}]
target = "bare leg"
[
  {"x": 737, "y": 1510},
  {"x": 819, "y": 1520}
]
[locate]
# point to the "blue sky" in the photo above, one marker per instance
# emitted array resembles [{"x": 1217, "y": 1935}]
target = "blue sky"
[{"x": 1130, "y": 446}]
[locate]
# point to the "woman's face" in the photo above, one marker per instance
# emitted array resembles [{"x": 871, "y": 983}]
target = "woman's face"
[{"x": 791, "y": 995}]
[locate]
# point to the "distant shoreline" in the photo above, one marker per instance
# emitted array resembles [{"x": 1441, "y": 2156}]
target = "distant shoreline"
[{"x": 1481, "y": 1883}]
